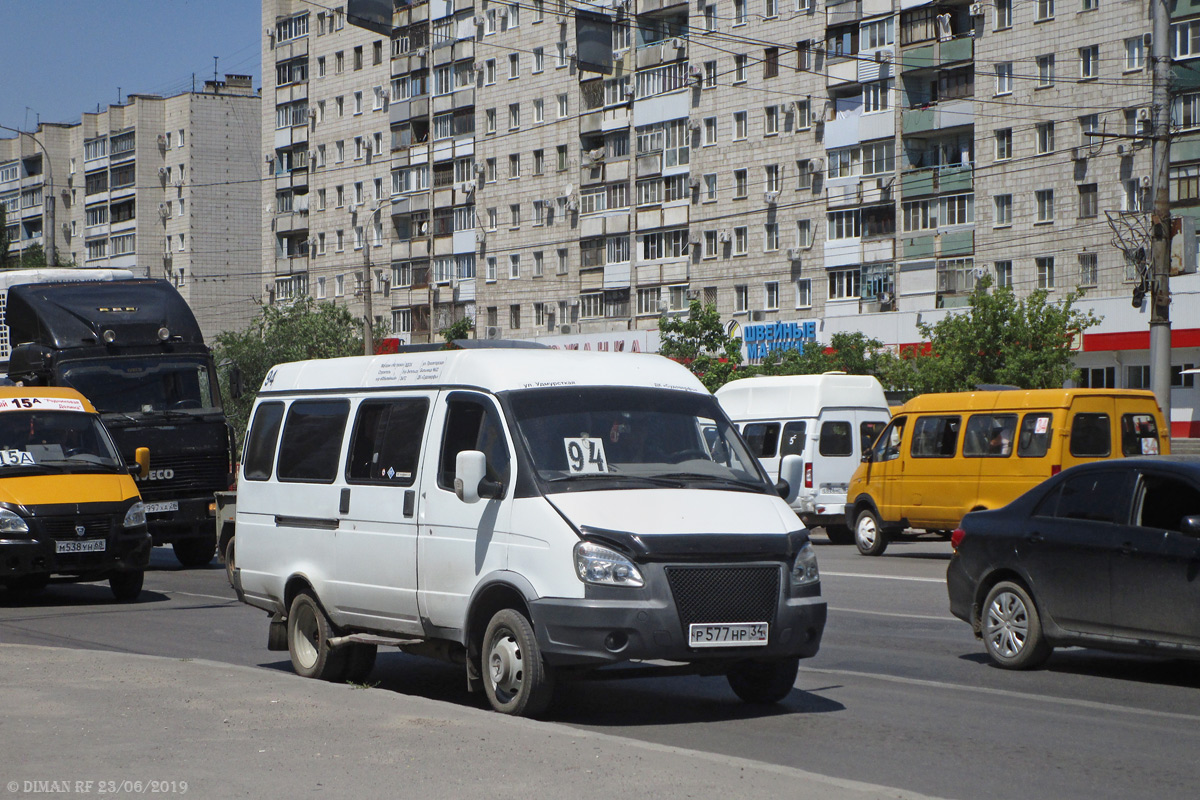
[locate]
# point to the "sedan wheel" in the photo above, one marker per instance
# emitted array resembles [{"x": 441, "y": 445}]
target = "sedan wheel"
[{"x": 1012, "y": 630}]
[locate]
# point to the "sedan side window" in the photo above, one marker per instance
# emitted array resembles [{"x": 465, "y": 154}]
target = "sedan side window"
[
  {"x": 1165, "y": 502},
  {"x": 1091, "y": 496}
]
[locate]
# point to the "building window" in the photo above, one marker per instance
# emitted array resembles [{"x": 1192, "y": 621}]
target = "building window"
[
  {"x": 1088, "y": 201},
  {"x": 739, "y": 68},
  {"x": 514, "y": 266},
  {"x": 1045, "y": 10},
  {"x": 1003, "y": 206},
  {"x": 1003, "y": 14},
  {"x": 710, "y": 187},
  {"x": 1135, "y": 53},
  {"x": 771, "y": 295},
  {"x": 741, "y": 298},
  {"x": 770, "y": 62},
  {"x": 771, "y": 122},
  {"x": 740, "y": 188},
  {"x": 741, "y": 240},
  {"x": 1088, "y": 270},
  {"x": 739, "y": 125},
  {"x": 1045, "y": 205},
  {"x": 1089, "y": 62},
  {"x": 710, "y": 74},
  {"x": 1045, "y": 138},
  {"x": 1004, "y": 78},
  {"x": 770, "y": 236},
  {"x": 1045, "y": 67},
  {"x": 1004, "y": 274},
  {"x": 1185, "y": 39},
  {"x": 1045, "y": 272},
  {"x": 844, "y": 284},
  {"x": 804, "y": 293},
  {"x": 875, "y": 96},
  {"x": 1184, "y": 182},
  {"x": 1003, "y": 144}
]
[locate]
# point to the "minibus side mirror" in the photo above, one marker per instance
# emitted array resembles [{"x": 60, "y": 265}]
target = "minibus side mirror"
[
  {"x": 471, "y": 483},
  {"x": 141, "y": 467},
  {"x": 867, "y": 456},
  {"x": 791, "y": 475}
]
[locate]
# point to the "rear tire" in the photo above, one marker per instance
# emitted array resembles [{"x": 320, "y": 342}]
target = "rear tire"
[
  {"x": 229, "y": 562},
  {"x": 195, "y": 552},
  {"x": 126, "y": 586},
  {"x": 1011, "y": 628},
  {"x": 763, "y": 682},
  {"x": 308, "y": 635},
  {"x": 869, "y": 536},
  {"x": 839, "y": 534},
  {"x": 515, "y": 677}
]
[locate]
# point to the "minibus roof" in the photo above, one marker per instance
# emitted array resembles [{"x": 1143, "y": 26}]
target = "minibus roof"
[
  {"x": 494, "y": 370},
  {"x": 795, "y": 396},
  {"x": 1013, "y": 399},
  {"x": 10, "y": 393}
]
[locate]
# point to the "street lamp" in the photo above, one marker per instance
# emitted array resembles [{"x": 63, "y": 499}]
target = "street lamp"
[{"x": 47, "y": 201}]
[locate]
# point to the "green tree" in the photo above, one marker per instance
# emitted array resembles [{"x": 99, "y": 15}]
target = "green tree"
[
  {"x": 3, "y": 236},
  {"x": 851, "y": 352},
  {"x": 34, "y": 257},
  {"x": 296, "y": 332},
  {"x": 459, "y": 329},
  {"x": 700, "y": 343},
  {"x": 999, "y": 339}
]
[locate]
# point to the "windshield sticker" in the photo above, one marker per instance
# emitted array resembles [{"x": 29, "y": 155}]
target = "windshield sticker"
[
  {"x": 1043, "y": 424},
  {"x": 585, "y": 454},
  {"x": 1149, "y": 446},
  {"x": 16, "y": 458},
  {"x": 46, "y": 403}
]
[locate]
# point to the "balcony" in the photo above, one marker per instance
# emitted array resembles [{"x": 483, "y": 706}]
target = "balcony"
[
  {"x": 947, "y": 114},
  {"x": 946, "y": 179},
  {"x": 938, "y": 54}
]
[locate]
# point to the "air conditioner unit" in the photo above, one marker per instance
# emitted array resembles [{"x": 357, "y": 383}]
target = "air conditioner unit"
[
  {"x": 693, "y": 294},
  {"x": 422, "y": 52},
  {"x": 815, "y": 165},
  {"x": 178, "y": 182},
  {"x": 1143, "y": 114},
  {"x": 268, "y": 158},
  {"x": 478, "y": 19},
  {"x": 468, "y": 186},
  {"x": 480, "y": 236},
  {"x": 884, "y": 56},
  {"x": 694, "y": 183},
  {"x": 1079, "y": 154},
  {"x": 66, "y": 229},
  {"x": 628, "y": 91},
  {"x": 312, "y": 156},
  {"x": 568, "y": 329},
  {"x": 693, "y": 124},
  {"x": 886, "y": 301},
  {"x": 1145, "y": 181},
  {"x": 491, "y": 332},
  {"x": 572, "y": 205},
  {"x": 1147, "y": 40},
  {"x": 696, "y": 72},
  {"x": 977, "y": 10},
  {"x": 723, "y": 235},
  {"x": 771, "y": 198},
  {"x": 597, "y": 154},
  {"x": 162, "y": 140},
  {"x": 480, "y": 168},
  {"x": 164, "y": 210},
  {"x": 164, "y": 172},
  {"x": 679, "y": 43},
  {"x": 758, "y": 316},
  {"x": 571, "y": 53},
  {"x": 793, "y": 254}
]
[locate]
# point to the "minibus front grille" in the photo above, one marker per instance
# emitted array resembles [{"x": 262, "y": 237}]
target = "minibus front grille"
[
  {"x": 724, "y": 594},
  {"x": 65, "y": 528}
]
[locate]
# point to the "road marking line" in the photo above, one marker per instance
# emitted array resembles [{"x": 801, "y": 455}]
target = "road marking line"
[
  {"x": 1033, "y": 698},
  {"x": 882, "y": 577},
  {"x": 947, "y": 618}
]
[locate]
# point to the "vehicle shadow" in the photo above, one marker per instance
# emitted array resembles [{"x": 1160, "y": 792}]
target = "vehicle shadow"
[
  {"x": 63, "y": 595},
  {"x": 622, "y": 702},
  {"x": 1081, "y": 661}
]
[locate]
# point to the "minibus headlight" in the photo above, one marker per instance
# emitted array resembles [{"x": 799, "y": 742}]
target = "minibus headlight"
[
  {"x": 11, "y": 522},
  {"x": 804, "y": 568},
  {"x": 136, "y": 515},
  {"x": 600, "y": 565}
]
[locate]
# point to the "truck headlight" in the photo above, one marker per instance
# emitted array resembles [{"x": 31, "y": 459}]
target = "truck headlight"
[
  {"x": 11, "y": 522},
  {"x": 136, "y": 515},
  {"x": 804, "y": 568},
  {"x": 600, "y": 565}
]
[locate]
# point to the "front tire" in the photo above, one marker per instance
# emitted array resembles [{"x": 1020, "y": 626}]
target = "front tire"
[
  {"x": 869, "y": 535},
  {"x": 516, "y": 679},
  {"x": 126, "y": 586},
  {"x": 1012, "y": 629},
  {"x": 839, "y": 534},
  {"x": 230, "y": 565},
  {"x": 308, "y": 635},
  {"x": 763, "y": 682},
  {"x": 195, "y": 552}
]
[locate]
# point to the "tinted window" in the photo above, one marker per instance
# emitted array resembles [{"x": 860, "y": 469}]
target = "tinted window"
[
  {"x": 312, "y": 440},
  {"x": 1139, "y": 435},
  {"x": 472, "y": 425},
  {"x": 887, "y": 446},
  {"x": 1090, "y": 435},
  {"x": 1036, "y": 430},
  {"x": 1092, "y": 496},
  {"x": 989, "y": 435},
  {"x": 935, "y": 437},
  {"x": 792, "y": 443},
  {"x": 387, "y": 442},
  {"x": 1166, "y": 501},
  {"x": 763, "y": 438},
  {"x": 867, "y": 431},
  {"x": 837, "y": 439},
  {"x": 260, "y": 444}
]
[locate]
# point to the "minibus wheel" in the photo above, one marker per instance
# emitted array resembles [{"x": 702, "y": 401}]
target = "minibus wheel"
[
  {"x": 763, "y": 682},
  {"x": 308, "y": 635},
  {"x": 126, "y": 586},
  {"x": 869, "y": 536},
  {"x": 230, "y": 565},
  {"x": 515, "y": 677}
]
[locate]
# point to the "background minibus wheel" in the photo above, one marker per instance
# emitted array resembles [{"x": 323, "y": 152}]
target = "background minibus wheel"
[
  {"x": 1012, "y": 629},
  {"x": 516, "y": 679},
  {"x": 229, "y": 562},
  {"x": 360, "y": 661},
  {"x": 869, "y": 535},
  {"x": 309, "y": 632},
  {"x": 126, "y": 586},
  {"x": 839, "y": 534},
  {"x": 195, "y": 552},
  {"x": 763, "y": 682}
]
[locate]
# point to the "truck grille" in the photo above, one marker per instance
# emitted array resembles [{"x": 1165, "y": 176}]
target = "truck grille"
[
  {"x": 725, "y": 593},
  {"x": 190, "y": 474}
]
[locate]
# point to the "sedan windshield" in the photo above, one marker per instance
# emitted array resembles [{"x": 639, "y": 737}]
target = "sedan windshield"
[
  {"x": 144, "y": 384},
  {"x": 54, "y": 441},
  {"x": 607, "y": 437}
]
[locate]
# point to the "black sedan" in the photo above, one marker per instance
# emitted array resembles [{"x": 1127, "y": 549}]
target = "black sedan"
[{"x": 1104, "y": 555}]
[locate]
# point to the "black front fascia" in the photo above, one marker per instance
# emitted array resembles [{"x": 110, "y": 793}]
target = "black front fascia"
[{"x": 700, "y": 547}]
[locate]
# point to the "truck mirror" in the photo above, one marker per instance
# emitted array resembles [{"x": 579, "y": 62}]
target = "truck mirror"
[
  {"x": 470, "y": 466},
  {"x": 142, "y": 466},
  {"x": 237, "y": 386}
]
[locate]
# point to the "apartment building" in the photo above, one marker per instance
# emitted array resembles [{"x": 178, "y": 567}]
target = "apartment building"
[
  {"x": 164, "y": 186},
  {"x": 807, "y": 167}
]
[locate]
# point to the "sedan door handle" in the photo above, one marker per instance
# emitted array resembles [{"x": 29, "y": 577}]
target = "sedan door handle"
[
  {"x": 1035, "y": 538},
  {"x": 1127, "y": 548}
]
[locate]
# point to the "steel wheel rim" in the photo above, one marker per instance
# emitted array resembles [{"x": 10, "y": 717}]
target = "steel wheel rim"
[
  {"x": 866, "y": 532},
  {"x": 1007, "y": 627},
  {"x": 307, "y": 637},
  {"x": 506, "y": 667}
]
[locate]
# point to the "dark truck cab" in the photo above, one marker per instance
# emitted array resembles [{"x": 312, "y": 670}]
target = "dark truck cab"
[{"x": 135, "y": 350}]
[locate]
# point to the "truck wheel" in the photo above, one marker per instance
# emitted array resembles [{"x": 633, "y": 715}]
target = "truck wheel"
[
  {"x": 195, "y": 552},
  {"x": 308, "y": 635},
  {"x": 763, "y": 682},
  {"x": 516, "y": 679},
  {"x": 360, "y": 661},
  {"x": 839, "y": 534},
  {"x": 126, "y": 586},
  {"x": 869, "y": 535}
]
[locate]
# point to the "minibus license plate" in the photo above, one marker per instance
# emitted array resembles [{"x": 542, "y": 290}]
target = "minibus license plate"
[
  {"x": 744, "y": 634},
  {"x": 165, "y": 505},
  {"x": 80, "y": 546}
]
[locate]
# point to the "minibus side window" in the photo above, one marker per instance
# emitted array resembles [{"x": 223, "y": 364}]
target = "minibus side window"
[
  {"x": 387, "y": 442},
  {"x": 1139, "y": 435},
  {"x": 837, "y": 439},
  {"x": 887, "y": 447},
  {"x": 1090, "y": 435},
  {"x": 935, "y": 437},
  {"x": 1036, "y": 431},
  {"x": 989, "y": 435},
  {"x": 792, "y": 443},
  {"x": 312, "y": 440},
  {"x": 472, "y": 425},
  {"x": 763, "y": 438},
  {"x": 260, "y": 444},
  {"x": 867, "y": 431}
]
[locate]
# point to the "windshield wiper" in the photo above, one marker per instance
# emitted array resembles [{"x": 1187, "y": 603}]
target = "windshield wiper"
[
  {"x": 32, "y": 469},
  {"x": 701, "y": 476}
]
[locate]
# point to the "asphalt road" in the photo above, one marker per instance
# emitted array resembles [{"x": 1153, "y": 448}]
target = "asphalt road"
[{"x": 900, "y": 695}]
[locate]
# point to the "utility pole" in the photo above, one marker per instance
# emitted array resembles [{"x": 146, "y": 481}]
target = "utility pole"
[
  {"x": 1160, "y": 245},
  {"x": 368, "y": 288}
]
